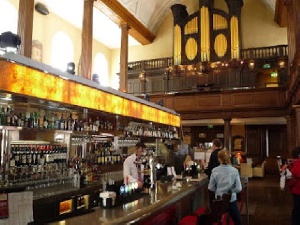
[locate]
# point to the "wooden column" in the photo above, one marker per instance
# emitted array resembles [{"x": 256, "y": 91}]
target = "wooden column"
[
  {"x": 124, "y": 58},
  {"x": 290, "y": 133},
  {"x": 87, "y": 40},
  {"x": 297, "y": 126},
  {"x": 25, "y": 26},
  {"x": 227, "y": 134},
  {"x": 296, "y": 14}
]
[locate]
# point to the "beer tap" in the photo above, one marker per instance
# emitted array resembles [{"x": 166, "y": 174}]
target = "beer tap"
[{"x": 152, "y": 164}]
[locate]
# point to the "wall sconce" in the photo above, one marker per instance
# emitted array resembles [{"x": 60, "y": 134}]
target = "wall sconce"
[
  {"x": 281, "y": 64},
  {"x": 251, "y": 65},
  {"x": 142, "y": 76}
]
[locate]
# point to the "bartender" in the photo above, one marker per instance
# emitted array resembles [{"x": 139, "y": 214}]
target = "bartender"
[{"x": 133, "y": 167}]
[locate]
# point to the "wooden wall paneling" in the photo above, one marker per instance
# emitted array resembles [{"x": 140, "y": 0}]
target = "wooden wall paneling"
[
  {"x": 253, "y": 140},
  {"x": 135, "y": 86},
  {"x": 191, "y": 82},
  {"x": 223, "y": 79},
  {"x": 202, "y": 79},
  {"x": 277, "y": 140},
  {"x": 234, "y": 78},
  {"x": 210, "y": 78},
  {"x": 210, "y": 134}
]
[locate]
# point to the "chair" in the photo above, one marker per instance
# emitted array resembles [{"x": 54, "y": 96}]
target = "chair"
[
  {"x": 259, "y": 170},
  {"x": 246, "y": 170},
  {"x": 202, "y": 216}
]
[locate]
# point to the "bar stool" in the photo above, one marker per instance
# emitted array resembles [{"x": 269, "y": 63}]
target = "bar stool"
[{"x": 217, "y": 208}]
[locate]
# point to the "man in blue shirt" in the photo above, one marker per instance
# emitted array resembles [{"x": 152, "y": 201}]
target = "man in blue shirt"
[{"x": 226, "y": 179}]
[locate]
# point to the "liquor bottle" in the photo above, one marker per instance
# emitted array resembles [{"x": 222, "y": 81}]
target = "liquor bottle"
[
  {"x": 12, "y": 162},
  {"x": 45, "y": 122},
  {"x": 2, "y": 115},
  {"x": 76, "y": 125},
  {"x": 61, "y": 125},
  {"x": 8, "y": 117},
  {"x": 70, "y": 122},
  {"x": 41, "y": 156},
  {"x": 28, "y": 156},
  {"x": 23, "y": 156},
  {"x": 15, "y": 152},
  {"x": 34, "y": 156},
  {"x": 35, "y": 119},
  {"x": 97, "y": 124},
  {"x": 41, "y": 119},
  {"x": 90, "y": 124}
]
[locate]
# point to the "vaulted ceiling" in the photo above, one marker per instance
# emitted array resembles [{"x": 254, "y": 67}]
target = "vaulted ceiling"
[{"x": 142, "y": 16}]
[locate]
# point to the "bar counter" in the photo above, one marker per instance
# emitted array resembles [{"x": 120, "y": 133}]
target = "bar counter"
[{"x": 166, "y": 202}]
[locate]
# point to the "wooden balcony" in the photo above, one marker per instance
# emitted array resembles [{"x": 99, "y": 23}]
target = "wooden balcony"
[
  {"x": 259, "y": 68},
  {"x": 251, "y": 87}
]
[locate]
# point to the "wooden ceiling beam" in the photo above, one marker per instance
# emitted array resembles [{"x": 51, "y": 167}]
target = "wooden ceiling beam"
[
  {"x": 120, "y": 15},
  {"x": 280, "y": 13}
]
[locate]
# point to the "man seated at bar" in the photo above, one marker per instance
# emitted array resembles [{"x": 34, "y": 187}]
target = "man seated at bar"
[{"x": 133, "y": 167}]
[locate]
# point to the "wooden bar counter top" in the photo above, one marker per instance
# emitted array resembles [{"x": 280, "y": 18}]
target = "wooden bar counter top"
[{"x": 167, "y": 203}]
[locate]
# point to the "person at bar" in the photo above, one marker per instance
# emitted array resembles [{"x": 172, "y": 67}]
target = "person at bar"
[
  {"x": 133, "y": 167},
  {"x": 213, "y": 160},
  {"x": 294, "y": 184},
  {"x": 225, "y": 179}
]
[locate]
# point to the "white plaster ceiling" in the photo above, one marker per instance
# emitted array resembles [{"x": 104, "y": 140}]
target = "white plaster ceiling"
[{"x": 150, "y": 13}]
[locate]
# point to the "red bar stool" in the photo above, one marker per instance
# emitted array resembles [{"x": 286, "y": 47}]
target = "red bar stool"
[{"x": 189, "y": 220}]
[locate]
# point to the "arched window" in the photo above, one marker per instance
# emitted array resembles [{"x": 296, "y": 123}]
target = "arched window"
[
  {"x": 8, "y": 17},
  {"x": 115, "y": 83},
  {"x": 62, "y": 51},
  {"x": 101, "y": 68}
]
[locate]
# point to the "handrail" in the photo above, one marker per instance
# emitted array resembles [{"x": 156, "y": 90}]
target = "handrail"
[
  {"x": 249, "y": 53},
  {"x": 265, "y": 52}
]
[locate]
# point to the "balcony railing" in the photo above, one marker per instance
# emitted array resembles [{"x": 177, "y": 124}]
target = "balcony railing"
[
  {"x": 259, "y": 68},
  {"x": 250, "y": 53},
  {"x": 265, "y": 52}
]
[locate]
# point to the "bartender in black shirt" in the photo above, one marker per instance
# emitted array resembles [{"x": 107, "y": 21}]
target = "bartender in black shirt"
[{"x": 213, "y": 160}]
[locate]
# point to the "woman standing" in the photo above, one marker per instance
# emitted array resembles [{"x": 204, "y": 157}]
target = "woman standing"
[
  {"x": 294, "y": 185},
  {"x": 225, "y": 179}
]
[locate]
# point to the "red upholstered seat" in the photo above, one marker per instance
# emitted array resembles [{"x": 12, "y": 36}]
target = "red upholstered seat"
[
  {"x": 199, "y": 211},
  {"x": 188, "y": 220}
]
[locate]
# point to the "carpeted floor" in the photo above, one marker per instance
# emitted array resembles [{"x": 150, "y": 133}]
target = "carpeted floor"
[{"x": 251, "y": 209}]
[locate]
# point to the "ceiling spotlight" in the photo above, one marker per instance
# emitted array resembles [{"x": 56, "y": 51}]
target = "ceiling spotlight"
[
  {"x": 71, "y": 68},
  {"x": 9, "y": 42}
]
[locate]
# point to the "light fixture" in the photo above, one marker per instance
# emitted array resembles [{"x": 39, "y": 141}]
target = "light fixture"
[
  {"x": 267, "y": 66},
  {"x": 9, "y": 42},
  {"x": 41, "y": 8},
  {"x": 71, "y": 68},
  {"x": 95, "y": 78},
  {"x": 251, "y": 65},
  {"x": 281, "y": 64},
  {"x": 274, "y": 74}
]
